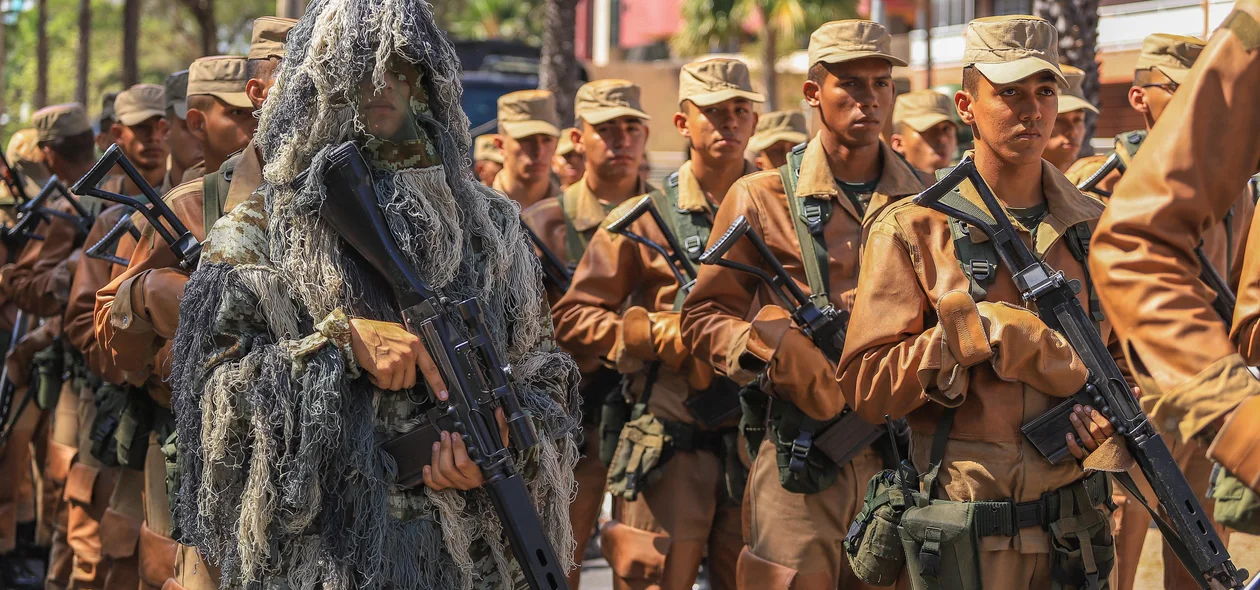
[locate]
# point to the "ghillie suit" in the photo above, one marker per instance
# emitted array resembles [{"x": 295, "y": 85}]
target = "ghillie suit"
[{"x": 282, "y": 478}]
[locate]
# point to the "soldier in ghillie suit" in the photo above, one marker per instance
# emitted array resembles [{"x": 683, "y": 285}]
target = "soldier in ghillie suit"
[{"x": 291, "y": 367}]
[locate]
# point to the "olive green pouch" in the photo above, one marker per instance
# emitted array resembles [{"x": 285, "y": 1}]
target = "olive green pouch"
[
  {"x": 1237, "y": 506},
  {"x": 752, "y": 423},
  {"x": 134, "y": 426},
  {"x": 111, "y": 401},
  {"x": 803, "y": 469},
  {"x": 941, "y": 547},
  {"x": 1083, "y": 551},
  {"x": 641, "y": 450},
  {"x": 48, "y": 374},
  {"x": 873, "y": 542}
]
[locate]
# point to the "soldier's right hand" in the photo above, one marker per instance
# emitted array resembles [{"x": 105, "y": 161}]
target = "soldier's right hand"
[{"x": 390, "y": 355}]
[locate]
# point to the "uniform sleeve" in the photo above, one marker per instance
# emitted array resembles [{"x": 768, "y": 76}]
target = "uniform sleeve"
[
  {"x": 588, "y": 317},
  {"x": 91, "y": 275},
  {"x": 123, "y": 323},
  {"x": 39, "y": 282},
  {"x": 889, "y": 338}
]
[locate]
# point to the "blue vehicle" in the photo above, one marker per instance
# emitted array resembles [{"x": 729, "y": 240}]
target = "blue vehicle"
[{"x": 490, "y": 70}]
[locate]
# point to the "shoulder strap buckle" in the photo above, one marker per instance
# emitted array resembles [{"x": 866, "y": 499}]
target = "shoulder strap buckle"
[
  {"x": 800, "y": 450},
  {"x": 693, "y": 244},
  {"x": 980, "y": 269}
]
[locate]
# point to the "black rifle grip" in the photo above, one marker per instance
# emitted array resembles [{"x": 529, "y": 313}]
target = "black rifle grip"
[
  {"x": 620, "y": 224},
  {"x": 727, "y": 241}
]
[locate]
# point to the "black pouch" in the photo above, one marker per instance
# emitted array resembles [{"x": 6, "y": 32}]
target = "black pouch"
[
  {"x": 803, "y": 468},
  {"x": 111, "y": 402},
  {"x": 613, "y": 417},
  {"x": 134, "y": 426},
  {"x": 752, "y": 424},
  {"x": 736, "y": 474}
]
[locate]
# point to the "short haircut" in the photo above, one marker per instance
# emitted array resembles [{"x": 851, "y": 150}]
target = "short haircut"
[
  {"x": 971, "y": 80},
  {"x": 817, "y": 73},
  {"x": 262, "y": 68},
  {"x": 201, "y": 102},
  {"x": 899, "y": 128},
  {"x": 78, "y": 148}
]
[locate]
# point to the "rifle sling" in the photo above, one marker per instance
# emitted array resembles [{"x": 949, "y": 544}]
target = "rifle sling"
[{"x": 809, "y": 217}]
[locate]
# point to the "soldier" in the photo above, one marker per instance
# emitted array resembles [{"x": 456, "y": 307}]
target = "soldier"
[
  {"x": 924, "y": 130},
  {"x": 487, "y": 159},
  {"x": 568, "y": 165},
  {"x": 611, "y": 133},
  {"x": 105, "y": 121},
  {"x": 137, "y": 326},
  {"x": 623, "y": 309},
  {"x": 527, "y": 136},
  {"x": 1180, "y": 185},
  {"x": 777, "y": 133},
  {"x": 1069, "y": 128},
  {"x": 845, "y": 174},
  {"x": 184, "y": 146},
  {"x": 948, "y": 343},
  {"x": 141, "y": 132}
]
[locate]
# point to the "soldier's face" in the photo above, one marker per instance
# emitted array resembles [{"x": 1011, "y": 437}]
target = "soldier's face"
[
  {"x": 387, "y": 112},
  {"x": 718, "y": 131},
  {"x": 185, "y": 149},
  {"x": 486, "y": 171},
  {"x": 569, "y": 167},
  {"x": 1152, "y": 97},
  {"x": 613, "y": 149},
  {"x": 223, "y": 128},
  {"x": 144, "y": 143},
  {"x": 774, "y": 156},
  {"x": 930, "y": 149},
  {"x": 1014, "y": 121},
  {"x": 528, "y": 158},
  {"x": 1066, "y": 139},
  {"x": 853, "y": 100}
]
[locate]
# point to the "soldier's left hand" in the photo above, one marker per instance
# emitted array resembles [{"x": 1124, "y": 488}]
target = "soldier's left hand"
[
  {"x": 451, "y": 466},
  {"x": 1092, "y": 429}
]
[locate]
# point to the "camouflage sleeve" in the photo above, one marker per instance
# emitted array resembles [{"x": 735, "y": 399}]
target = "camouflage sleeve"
[{"x": 333, "y": 330}]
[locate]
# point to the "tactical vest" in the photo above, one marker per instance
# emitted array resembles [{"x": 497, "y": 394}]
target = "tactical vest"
[
  {"x": 214, "y": 191},
  {"x": 691, "y": 228}
]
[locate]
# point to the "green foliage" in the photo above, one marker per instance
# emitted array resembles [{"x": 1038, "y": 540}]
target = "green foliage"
[
  {"x": 517, "y": 20},
  {"x": 169, "y": 41},
  {"x": 710, "y": 25}
]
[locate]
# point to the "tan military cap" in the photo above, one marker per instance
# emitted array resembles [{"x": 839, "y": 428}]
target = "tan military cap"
[
  {"x": 1010, "y": 48},
  {"x": 485, "y": 150},
  {"x": 566, "y": 141},
  {"x": 107, "y": 107},
  {"x": 176, "y": 89},
  {"x": 846, "y": 40},
  {"x": 923, "y": 109},
  {"x": 220, "y": 76},
  {"x": 140, "y": 103},
  {"x": 528, "y": 112},
  {"x": 60, "y": 121},
  {"x": 779, "y": 126},
  {"x": 605, "y": 100},
  {"x": 270, "y": 35},
  {"x": 1073, "y": 98},
  {"x": 24, "y": 147},
  {"x": 711, "y": 81},
  {"x": 1172, "y": 55}
]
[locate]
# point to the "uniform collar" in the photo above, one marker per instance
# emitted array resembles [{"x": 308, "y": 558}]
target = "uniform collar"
[
  {"x": 691, "y": 195},
  {"x": 584, "y": 209},
  {"x": 897, "y": 179},
  {"x": 247, "y": 176}
]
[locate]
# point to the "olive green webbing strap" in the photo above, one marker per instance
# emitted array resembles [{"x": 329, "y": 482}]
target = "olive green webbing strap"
[
  {"x": 213, "y": 199},
  {"x": 682, "y": 225},
  {"x": 574, "y": 241},
  {"x": 813, "y": 249},
  {"x": 943, "y": 426}
]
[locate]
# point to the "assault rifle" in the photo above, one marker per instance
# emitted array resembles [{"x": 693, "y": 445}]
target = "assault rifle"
[
  {"x": 21, "y": 325},
  {"x": 477, "y": 378},
  {"x": 181, "y": 241},
  {"x": 720, "y": 402},
  {"x": 37, "y": 210},
  {"x": 1188, "y": 529},
  {"x": 107, "y": 248},
  {"x": 849, "y": 434},
  {"x": 1225, "y": 299},
  {"x": 554, "y": 269},
  {"x": 13, "y": 181}
]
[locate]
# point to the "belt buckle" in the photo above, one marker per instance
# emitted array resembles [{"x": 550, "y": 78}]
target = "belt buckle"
[{"x": 1030, "y": 514}]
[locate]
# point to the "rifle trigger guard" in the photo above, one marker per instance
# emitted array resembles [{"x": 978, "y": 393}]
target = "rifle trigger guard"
[{"x": 800, "y": 449}]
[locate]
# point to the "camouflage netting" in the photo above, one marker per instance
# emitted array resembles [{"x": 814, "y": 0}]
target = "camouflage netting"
[{"x": 282, "y": 478}]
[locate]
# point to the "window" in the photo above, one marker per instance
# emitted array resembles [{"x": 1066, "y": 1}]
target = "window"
[
  {"x": 1001, "y": 7},
  {"x": 952, "y": 12}
]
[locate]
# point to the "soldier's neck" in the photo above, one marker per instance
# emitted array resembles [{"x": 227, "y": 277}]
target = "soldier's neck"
[
  {"x": 612, "y": 190},
  {"x": 716, "y": 175},
  {"x": 525, "y": 192},
  {"x": 71, "y": 173},
  {"x": 856, "y": 164},
  {"x": 1016, "y": 184}
]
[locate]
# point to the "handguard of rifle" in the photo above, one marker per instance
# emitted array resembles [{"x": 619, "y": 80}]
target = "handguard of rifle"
[
  {"x": 620, "y": 224},
  {"x": 351, "y": 209},
  {"x": 726, "y": 242}
]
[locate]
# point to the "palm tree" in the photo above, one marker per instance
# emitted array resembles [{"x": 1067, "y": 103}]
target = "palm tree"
[
  {"x": 499, "y": 19},
  {"x": 781, "y": 19},
  {"x": 1077, "y": 22},
  {"x": 708, "y": 25}
]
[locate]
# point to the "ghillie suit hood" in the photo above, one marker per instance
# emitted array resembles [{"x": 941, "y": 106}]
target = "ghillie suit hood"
[{"x": 281, "y": 472}]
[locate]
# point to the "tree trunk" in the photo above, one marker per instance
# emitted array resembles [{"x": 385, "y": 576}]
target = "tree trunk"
[
  {"x": 559, "y": 69},
  {"x": 1077, "y": 22},
  {"x": 769, "y": 55},
  {"x": 3, "y": 56},
  {"x": 85, "y": 52},
  {"x": 41, "y": 55},
  {"x": 131, "y": 43},
  {"x": 203, "y": 13}
]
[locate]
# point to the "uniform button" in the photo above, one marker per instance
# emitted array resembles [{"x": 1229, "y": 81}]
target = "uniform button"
[{"x": 126, "y": 320}]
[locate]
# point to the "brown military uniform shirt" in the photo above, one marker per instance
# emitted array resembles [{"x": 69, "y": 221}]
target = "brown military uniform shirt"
[{"x": 91, "y": 275}]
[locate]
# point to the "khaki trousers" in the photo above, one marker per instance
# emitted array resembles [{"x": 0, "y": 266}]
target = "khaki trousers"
[
  {"x": 794, "y": 540},
  {"x": 120, "y": 530},
  {"x": 157, "y": 549},
  {"x": 591, "y": 476},
  {"x": 63, "y": 446},
  {"x": 17, "y": 490},
  {"x": 89, "y": 486},
  {"x": 659, "y": 540}
]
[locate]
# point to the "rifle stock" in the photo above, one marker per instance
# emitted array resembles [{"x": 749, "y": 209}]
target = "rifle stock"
[
  {"x": 1202, "y": 552},
  {"x": 13, "y": 181},
  {"x": 476, "y": 378},
  {"x": 684, "y": 271},
  {"x": 1113, "y": 162},
  {"x": 107, "y": 248}
]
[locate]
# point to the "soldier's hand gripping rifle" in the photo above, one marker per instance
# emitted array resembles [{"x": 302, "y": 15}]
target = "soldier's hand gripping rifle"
[
  {"x": 554, "y": 269},
  {"x": 107, "y": 248},
  {"x": 181, "y": 241},
  {"x": 477, "y": 379},
  {"x": 849, "y": 434},
  {"x": 1188, "y": 529},
  {"x": 1225, "y": 299}
]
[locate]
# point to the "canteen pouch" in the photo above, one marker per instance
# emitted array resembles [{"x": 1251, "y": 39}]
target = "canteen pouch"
[
  {"x": 803, "y": 468},
  {"x": 641, "y": 450},
  {"x": 873, "y": 543},
  {"x": 111, "y": 401},
  {"x": 1083, "y": 551},
  {"x": 132, "y": 436},
  {"x": 48, "y": 373},
  {"x": 613, "y": 417},
  {"x": 752, "y": 424},
  {"x": 941, "y": 546},
  {"x": 1237, "y": 506}
]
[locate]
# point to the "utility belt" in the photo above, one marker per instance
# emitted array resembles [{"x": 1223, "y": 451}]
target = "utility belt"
[
  {"x": 809, "y": 452},
  {"x": 643, "y": 443},
  {"x": 903, "y": 528}
]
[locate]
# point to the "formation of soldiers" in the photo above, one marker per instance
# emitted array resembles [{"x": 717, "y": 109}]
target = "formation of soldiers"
[{"x": 784, "y": 365}]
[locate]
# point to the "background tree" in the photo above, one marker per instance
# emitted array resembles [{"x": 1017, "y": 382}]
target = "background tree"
[
  {"x": 1077, "y": 21},
  {"x": 498, "y": 19},
  {"x": 41, "y": 54},
  {"x": 84, "y": 53},
  {"x": 131, "y": 43},
  {"x": 203, "y": 13},
  {"x": 559, "y": 68},
  {"x": 708, "y": 26}
]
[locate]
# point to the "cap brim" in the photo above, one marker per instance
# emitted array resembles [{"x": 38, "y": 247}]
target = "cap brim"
[
  {"x": 522, "y": 129},
  {"x": 760, "y": 142},
  {"x": 1177, "y": 75},
  {"x": 565, "y": 148},
  {"x": 1014, "y": 71},
  {"x": 139, "y": 117},
  {"x": 1069, "y": 103},
  {"x": 597, "y": 116},
  {"x": 712, "y": 98},
  {"x": 848, "y": 57},
  {"x": 181, "y": 109},
  {"x": 239, "y": 100},
  {"x": 921, "y": 123}
]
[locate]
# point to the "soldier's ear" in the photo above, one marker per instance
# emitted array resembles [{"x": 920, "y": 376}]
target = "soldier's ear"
[
  {"x": 680, "y": 123},
  {"x": 811, "y": 90},
  {"x": 963, "y": 102},
  {"x": 196, "y": 122},
  {"x": 1137, "y": 100},
  {"x": 256, "y": 90}
]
